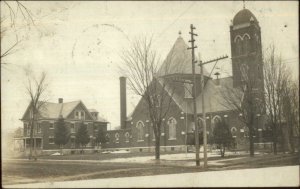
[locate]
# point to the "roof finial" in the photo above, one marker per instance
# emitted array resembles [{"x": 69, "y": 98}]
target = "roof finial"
[
  {"x": 244, "y": 4},
  {"x": 179, "y": 33}
]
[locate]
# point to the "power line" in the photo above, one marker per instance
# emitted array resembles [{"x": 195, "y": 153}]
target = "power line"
[{"x": 164, "y": 30}]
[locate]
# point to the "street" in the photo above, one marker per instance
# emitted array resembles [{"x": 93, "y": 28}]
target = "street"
[{"x": 263, "y": 177}]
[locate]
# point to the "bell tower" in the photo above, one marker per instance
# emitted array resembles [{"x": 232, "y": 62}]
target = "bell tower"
[{"x": 246, "y": 50}]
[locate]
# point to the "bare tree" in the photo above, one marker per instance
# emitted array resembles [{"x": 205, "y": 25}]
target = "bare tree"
[
  {"x": 291, "y": 111},
  {"x": 276, "y": 77},
  {"x": 11, "y": 26},
  {"x": 245, "y": 100},
  {"x": 146, "y": 80},
  {"x": 18, "y": 22},
  {"x": 36, "y": 90}
]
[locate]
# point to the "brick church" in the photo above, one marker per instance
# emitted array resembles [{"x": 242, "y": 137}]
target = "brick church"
[{"x": 136, "y": 132}]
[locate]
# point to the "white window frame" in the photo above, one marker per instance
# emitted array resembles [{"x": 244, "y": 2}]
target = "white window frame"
[
  {"x": 51, "y": 124},
  {"x": 39, "y": 128},
  {"x": 233, "y": 130},
  {"x": 51, "y": 137},
  {"x": 28, "y": 129},
  {"x": 127, "y": 136},
  {"x": 80, "y": 116},
  {"x": 142, "y": 134},
  {"x": 169, "y": 127},
  {"x": 72, "y": 129},
  {"x": 117, "y": 137}
]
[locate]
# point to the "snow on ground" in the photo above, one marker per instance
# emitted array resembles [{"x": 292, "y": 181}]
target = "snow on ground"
[
  {"x": 56, "y": 154},
  {"x": 120, "y": 152},
  {"x": 261, "y": 177},
  {"x": 168, "y": 157}
]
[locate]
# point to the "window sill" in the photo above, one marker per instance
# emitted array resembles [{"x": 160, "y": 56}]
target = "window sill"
[
  {"x": 172, "y": 139},
  {"x": 140, "y": 141}
]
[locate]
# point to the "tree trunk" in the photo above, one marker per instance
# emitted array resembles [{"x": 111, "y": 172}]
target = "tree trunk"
[
  {"x": 157, "y": 148},
  {"x": 291, "y": 138},
  {"x": 251, "y": 141},
  {"x": 274, "y": 140},
  {"x": 222, "y": 148},
  {"x": 34, "y": 147},
  {"x": 30, "y": 147}
]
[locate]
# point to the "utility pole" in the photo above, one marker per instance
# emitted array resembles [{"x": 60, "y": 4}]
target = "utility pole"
[
  {"x": 194, "y": 94},
  {"x": 201, "y": 64}
]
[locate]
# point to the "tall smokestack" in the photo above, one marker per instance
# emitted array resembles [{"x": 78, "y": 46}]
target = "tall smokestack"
[{"x": 123, "y": 108}]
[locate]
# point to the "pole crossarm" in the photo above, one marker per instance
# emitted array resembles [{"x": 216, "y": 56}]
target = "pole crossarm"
[{"x": 213, "y": 60}]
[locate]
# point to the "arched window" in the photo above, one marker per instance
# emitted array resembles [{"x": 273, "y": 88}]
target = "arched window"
[
  {"x": 117, "y": 137},
  {"x": 216, "y": 119},
  {"x": 127, "y": 137},
  {"x": 140, "y": 131},
  {"x": 238, "y": 45},
  {"x": 172, "y": 128},
  {"x": 233, "y": 131},
  {"x": 246, "y": 44}
]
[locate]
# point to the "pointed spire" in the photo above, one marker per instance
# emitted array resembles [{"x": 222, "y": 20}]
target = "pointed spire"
[{"x": 244, "y": 4}]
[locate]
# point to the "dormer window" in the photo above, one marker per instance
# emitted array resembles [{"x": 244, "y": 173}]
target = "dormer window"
[{"x": 80, "y": 115}]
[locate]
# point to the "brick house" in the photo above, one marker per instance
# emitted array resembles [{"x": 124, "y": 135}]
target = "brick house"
[{"x": 73, "y": 113}]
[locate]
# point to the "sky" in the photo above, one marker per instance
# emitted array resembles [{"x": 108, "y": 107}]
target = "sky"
[{"x": 79, "y": 44}]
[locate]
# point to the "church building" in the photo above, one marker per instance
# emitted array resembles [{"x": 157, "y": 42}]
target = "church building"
[{"x": 178, "y": 125}]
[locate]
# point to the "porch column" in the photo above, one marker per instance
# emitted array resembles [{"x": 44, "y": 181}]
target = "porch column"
[
  {"x": 25, "y": 142},
  {"x": 42, "y": 143}
]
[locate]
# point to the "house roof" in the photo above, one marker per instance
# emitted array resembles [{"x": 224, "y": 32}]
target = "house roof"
[
  {"x": 179, "y": 60},
  {"x": 51, "y": 110}
]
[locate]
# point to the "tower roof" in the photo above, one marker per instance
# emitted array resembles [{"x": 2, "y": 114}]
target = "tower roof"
[
  {"x": 179, "y": 60},
  {"x": 244, "y": 16}
]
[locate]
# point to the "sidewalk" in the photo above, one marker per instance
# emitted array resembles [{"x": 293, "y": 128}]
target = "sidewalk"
[{"x": 262, "y": 177}]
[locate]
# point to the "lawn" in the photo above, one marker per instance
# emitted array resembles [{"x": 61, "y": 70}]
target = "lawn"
[
  {"x": 49, "y": 168},
  {"x": 25, "y": 171}
]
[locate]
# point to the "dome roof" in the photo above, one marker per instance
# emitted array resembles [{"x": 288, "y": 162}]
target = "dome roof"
[{"x": 244, "y": 16}]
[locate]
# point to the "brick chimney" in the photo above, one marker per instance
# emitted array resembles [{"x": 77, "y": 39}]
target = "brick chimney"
[
  {"x": 60, "y": 100},
  {"x": 123, "y": 108}
]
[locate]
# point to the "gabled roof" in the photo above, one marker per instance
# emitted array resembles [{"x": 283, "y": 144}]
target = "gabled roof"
[
  {"x": 52, "y": 110},
  {"x": 213, "y": 95},
  {"x": 179, "y": 60}
]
